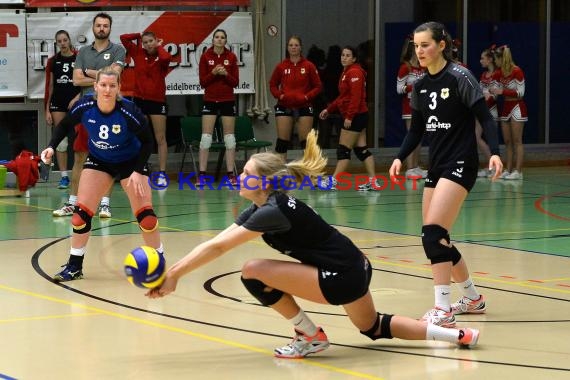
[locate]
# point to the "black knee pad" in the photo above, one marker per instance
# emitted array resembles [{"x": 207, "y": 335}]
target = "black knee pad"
[
  {"x": 303, "y": 144},
  {"x": 455, "y": 255},
  {"x": 342, "y": 152},
  {"x": 281, "y": 146},
  {"x": 385, "y": 331},
  {"x": 81, "y": 219},
  {"x": 257, "y": 289},
  {"x": 362, "y": 152},
  {"x": 434, "y": 250}
]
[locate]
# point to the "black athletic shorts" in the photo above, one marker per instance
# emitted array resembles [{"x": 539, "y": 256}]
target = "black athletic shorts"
[
  {"x": 150, "y": 107},
  {"x": 462, "y": 175},
  {"x": 219, "y": 108},
  {"x": 340, "y": 288},
  {"x": 293, "y": 112},
  {"x": 359, "y": 122},
  {"x": 122, "y": 169}
]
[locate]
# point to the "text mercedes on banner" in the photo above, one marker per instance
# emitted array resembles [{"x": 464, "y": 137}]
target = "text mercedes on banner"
[
  {"x": 12, "y": 48},
  {"x": 129, "y": 3},
  {"x": 186, "y": 36}
]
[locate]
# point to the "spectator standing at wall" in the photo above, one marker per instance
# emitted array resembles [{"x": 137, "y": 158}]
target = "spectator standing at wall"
[
  {"x": 151, "y": 68},
  {"x": 514, "y": 111},
  {"x": 60, "y": 95},
  {"x": 295, "y": 83},
  {"x": 219, "y": 74}
]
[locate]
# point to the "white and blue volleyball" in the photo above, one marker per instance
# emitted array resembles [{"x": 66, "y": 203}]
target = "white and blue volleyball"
[{"x": 145, "y": 267}]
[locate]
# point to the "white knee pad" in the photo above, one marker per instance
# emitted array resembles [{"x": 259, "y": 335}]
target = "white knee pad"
[
  {"x": 230, "y": 141},
  {"x": 62, "y": 147},
  {"x": 206, "y": 141}
]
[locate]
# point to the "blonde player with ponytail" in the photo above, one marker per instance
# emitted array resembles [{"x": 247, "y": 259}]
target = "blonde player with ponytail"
[{"x": 330, "y": 268}]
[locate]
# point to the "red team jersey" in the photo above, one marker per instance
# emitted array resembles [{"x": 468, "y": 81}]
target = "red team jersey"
[
  {"x": 352, "y": 93},
  {"x": 299, "y": 83},
  {"x": 150, "y": 70},
  {"x": 407, "y": 75},
  {"x": 218, "y": 88}
]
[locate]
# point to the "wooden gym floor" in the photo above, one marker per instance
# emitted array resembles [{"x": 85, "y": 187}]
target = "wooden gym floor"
[{"x": 515, "y": 236}]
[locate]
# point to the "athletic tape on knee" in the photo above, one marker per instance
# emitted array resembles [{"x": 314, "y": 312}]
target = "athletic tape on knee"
[
  {"x": 435, "y": 251},
  {"x": 362, "y": 152},
  {"x": 385, "y": 332},
  {"x": 62, "y": 147},
  {"x": 281, "y": 145},
  {"x": 230, "y": 141},
  {"x": 148, "y": 222},
  {"x": 81, "y": 219},
  {"x": 257, "y": 289},
  {"x": 206, "y": 141},
  {"x": 342, "y": 152}
]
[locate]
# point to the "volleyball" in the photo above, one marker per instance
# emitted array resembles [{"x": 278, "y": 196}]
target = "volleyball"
[{"x": 145, "y": 267}]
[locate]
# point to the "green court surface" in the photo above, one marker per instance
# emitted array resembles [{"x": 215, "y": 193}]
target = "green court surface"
[{"x": 530, "y": 215}]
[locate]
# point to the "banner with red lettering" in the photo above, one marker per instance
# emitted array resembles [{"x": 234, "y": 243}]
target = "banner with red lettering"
[
  {"x": 185, "y": 35},
  {"x": 130, "y": 3},
  {"x": 12, "y": 46}
]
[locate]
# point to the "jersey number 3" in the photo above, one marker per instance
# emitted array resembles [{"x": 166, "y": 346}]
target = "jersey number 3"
[{"x": 433, "y": 104}]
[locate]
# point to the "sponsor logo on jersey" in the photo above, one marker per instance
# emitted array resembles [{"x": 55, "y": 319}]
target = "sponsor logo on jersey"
[
  {"x": 302, "y": 70},
  {"x": 354, "y": 79},
  {"x": 91, "y": 121},
  {"x": 226, "y": 62},
  {"x": 103, "y": 145},
  {"x": 211, "y": 62},
  {"x": 433, "y": 124},
  {"x": 116, "y": 129},
  {"x": 444, "y": 93},
  {"x": 423, "y": 91},
  {"x": 106, "y": 56}
]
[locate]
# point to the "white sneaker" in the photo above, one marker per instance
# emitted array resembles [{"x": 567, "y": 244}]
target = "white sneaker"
[
  {"x": 104, "y": 211},
  {"x": 439, "y": 317},
  {"x": 468, "y": 337},
  {"x": 466, "y": 305},
  {"x": 161, "y": 182},
  {"x": 514, "y": 175},
  {"x": 303, "y": 345},
  {"x": 65, "y": 210},
  {"x": 417, "y": 171},
  {"x": 327, "y": 183}
]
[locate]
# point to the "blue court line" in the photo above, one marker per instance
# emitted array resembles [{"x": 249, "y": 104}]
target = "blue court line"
[{"x": 6, "y": 377}]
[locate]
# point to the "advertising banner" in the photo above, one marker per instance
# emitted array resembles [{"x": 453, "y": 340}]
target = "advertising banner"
[
  {"x": 12, "y": 54},
  {"x": 128, "y": 3},
  {"x": 185, "y": 35}
]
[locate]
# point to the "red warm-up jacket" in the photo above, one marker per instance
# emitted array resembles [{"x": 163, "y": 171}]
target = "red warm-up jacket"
[
  {"x": 150, "y": 70},
  {"x": 299, "y": 83},
  {"x": 218, "y": 88},
  {"x": 352, "y": 92}
]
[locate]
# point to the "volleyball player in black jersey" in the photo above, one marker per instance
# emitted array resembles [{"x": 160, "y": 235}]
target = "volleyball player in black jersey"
[
  {"x": 330, "y": 269},
  {"x": 445, "y": 103}
]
